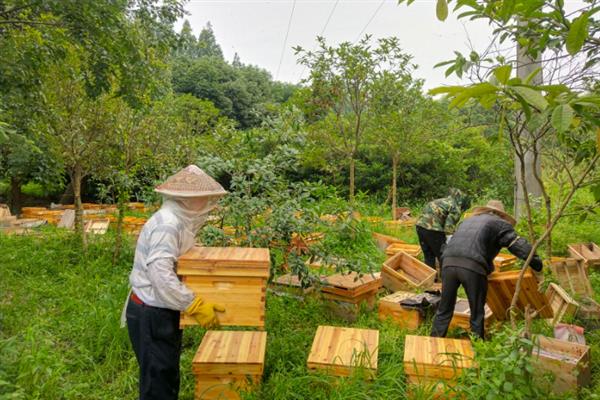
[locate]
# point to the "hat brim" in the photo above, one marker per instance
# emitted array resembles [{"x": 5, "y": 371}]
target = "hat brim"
[
  {"x": 484, "y": 210},
  {"x": 174, "y": 193}
]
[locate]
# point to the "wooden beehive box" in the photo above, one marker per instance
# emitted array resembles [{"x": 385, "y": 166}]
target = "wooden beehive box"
[
  {"x": 342, "y": 350},
  {"x": 501, "y": 288},
  {"x": 403, "y": 272},
  {"x": 588, "y": 252},
  {"x": 405, "y": 223},
  {"x": 97, "y": 226},
  {"x": 562, "y": 304},
  {"x": 233, "y": 277},
  {"x": 383, "y": 241},
  {"x": 571, "y": 275},
  {"x": 290, "y": 284},
  {"x": 504, "y": 261},
  {"x": 429, "y": 360},
  {"x": 227, "y": 362},
  {"x": 589, "y": 309},
  {"x": 390, "y": 307},
  {"x": 568, "y": 362},
  {"x": 352, "y": 285},
  {"x": 413, "y": 250},
  {"x": 462, "y": 316}
]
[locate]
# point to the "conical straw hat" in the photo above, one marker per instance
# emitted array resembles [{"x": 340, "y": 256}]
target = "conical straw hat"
[
  {"x": 495, "y": 207},
  {"x": 191, "y": 182}
]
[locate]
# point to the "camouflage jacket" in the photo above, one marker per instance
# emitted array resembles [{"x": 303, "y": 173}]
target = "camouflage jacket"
[{"x": 441, "y": 215}]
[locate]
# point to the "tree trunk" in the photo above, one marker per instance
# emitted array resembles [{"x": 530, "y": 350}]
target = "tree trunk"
[
  {"x": 530, "y": 164},
  {"x": 351, "y": 196},
  {"x": 15, "y": 196},
  {"x": 394, "y": 185},
  {"x": 76, "y": 178}
]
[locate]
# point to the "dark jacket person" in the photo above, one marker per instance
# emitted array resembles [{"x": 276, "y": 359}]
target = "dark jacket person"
[{"x": 469, "y": 258}]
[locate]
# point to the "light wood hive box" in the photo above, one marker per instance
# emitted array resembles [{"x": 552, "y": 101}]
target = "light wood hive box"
[
  {"x": 390, "y": 307},
  {"x": 571, "y": 275},
  {"x": 588, "y": 252},
  {"x": 344, "y": 293},
  {"x": 383, "y": 241},
  {"x": 413, "y": 250},
  {"x": 504, "y": 261},
  {"x": 227, "y": 362},
  {"x": 569, "y": 363},
  {"x": 233, "y": 277},
  {"x": 429, "y": 360},
  {"x": 589, "y": 309},
  {"x": 342, "y": 350},
  {"x": 403, "y": 272},
  {"x": 562, "y": 304},
  {"x": 501, "y": 288},
  {"x": 462, "y": 316}
]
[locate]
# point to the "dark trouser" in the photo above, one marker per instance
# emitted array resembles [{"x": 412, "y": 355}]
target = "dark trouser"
[
  {"x": 476, "y": 287},
  {"x": 431, "y": 243},
  {"x": 156, "y": 339}
]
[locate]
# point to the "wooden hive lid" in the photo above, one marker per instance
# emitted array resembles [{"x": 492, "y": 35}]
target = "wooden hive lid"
[
  {"x": 351, "y": 284},
  {"x": 436, "y": 357},
  {"x": 344, "y": 347},
  {"x": 231, "y": 352},
  {"x": 397, "y": 297},
  {"x": 287, "y": 280},
  {"x": 225, "y": 261}
]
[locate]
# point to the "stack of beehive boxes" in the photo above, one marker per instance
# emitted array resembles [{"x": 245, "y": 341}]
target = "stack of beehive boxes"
[{"x": 235, "y": 278}]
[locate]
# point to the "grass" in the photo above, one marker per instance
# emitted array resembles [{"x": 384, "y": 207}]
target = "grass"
[{"x": 60, "y": 335}]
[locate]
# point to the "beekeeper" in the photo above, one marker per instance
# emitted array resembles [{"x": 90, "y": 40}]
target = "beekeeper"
[{"x": 157, "y": 295}]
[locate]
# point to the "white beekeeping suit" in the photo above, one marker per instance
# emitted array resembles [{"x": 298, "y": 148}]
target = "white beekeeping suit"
[{"x": 188, "y": 196}]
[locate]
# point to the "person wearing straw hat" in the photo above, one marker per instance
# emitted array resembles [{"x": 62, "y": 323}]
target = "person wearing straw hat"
[
  {"x": 468, "y": 259},
  {"x": 157, "y": 295}
]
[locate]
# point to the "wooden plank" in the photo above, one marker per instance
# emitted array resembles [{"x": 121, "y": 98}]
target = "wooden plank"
[
  {"x": 571, "y": 275},
  {"x": 242, "y": 297},
  {"x": 462, "y": 315},
  {"x": 501, "y": 288},
  {"x": 403, "y": 272},
  {"x": 413, "y": 250},
  {"x": 588, "y": 252},
  {"x": 352, "y": 284},
  {"x": 390, "y": 307},
  {"x": 383, "y": 241},
  {"x": 232, "y": 261},
  {"x": 341, "y": 350},
  {"x": 569, "y": 363},
  {"x": 562, "y": 304},
  {"x": 436, "y": 358}
]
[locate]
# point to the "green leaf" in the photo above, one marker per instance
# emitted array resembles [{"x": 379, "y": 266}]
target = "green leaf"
[
  {"x": 562, "y": 117},
  {"x": 441, "y": 10},
  {"x": 577, "y": 33},
  {"x": 503, "y": 73},
  {"x": 532, "y": 97},
  {"x": 446, "y": 89}
]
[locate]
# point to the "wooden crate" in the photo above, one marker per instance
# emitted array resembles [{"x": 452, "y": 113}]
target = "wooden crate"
[
  {"x": 349, "y": 308},
  {"x": 562, "y": 304},
  {"x": 233, "y": 277},
  {"x": 7, "y": 221},
  {"x": 390, "y": 307},
  {"x": 383, "y": 241},
  {"x": 351, "y": 285},
  {"x": 501, "y": 288},
  {"x": 589, "y": 309},
  {"x": 588, "y": 252},
  {"x": 290, "y": 284},
  {"x": 342, "y": 350},
  {"x": 403, "y": 272},
  {"x": 571, "y": 275},
  {"x": 429, "y": 360},
  {"x": 568, "y": 362},
  {"x": 413, "y": 250},
  {"x": 301, "y": 242},
  {"x": 462, "y": 316},
  {"x": 227, "y": 362},
  {"x": 504, "y": 261}
]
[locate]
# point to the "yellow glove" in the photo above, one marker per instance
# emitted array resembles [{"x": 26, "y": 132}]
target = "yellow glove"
[{"x": 204, "y": 313}]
